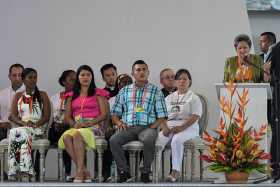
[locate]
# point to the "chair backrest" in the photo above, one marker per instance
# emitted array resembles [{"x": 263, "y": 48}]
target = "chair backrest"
[{"x": 203, "y": 120}]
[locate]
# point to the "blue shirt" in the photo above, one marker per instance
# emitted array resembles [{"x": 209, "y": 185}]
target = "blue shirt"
[{"x": 149, "y": 99}]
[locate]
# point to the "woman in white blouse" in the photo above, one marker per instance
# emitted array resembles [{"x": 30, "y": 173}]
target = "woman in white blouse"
[{"x": 184, "y": 109}]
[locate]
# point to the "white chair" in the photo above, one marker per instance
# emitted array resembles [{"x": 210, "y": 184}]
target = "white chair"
[
  {"x": 194, "y": 145},
  {"x": 42, "y": 145},
  {"x": 101, "y": 146}
]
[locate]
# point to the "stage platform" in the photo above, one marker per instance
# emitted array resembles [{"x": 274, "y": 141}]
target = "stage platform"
[{"x": 46, "y": 184}]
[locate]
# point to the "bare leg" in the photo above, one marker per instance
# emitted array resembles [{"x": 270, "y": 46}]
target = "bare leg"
[
  {"x": 79, "y": 149},
  {"x": 69, "y": 146}
]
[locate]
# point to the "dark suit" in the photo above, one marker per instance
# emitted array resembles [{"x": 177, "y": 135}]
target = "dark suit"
[{"x": 275, "y": 81}]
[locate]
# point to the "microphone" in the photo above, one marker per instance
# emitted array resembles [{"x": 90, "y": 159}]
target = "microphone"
[{"x": 247, "y": 61}]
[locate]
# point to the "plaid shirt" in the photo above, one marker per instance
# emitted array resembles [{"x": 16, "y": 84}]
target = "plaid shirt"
[{"x": 149, "y": 98}]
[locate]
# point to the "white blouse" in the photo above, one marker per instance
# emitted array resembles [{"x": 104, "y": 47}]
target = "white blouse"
[{"x": 181, "y": 106}]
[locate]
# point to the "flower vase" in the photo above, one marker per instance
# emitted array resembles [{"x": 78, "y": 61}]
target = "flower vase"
[{"x": 237, "y": 177}]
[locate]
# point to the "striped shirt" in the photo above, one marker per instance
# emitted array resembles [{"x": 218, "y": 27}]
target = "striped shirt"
[{"x": 149, "y": 99}]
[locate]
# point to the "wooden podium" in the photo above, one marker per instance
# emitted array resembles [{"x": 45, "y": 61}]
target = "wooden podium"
[{"x": 256, "y": 109}]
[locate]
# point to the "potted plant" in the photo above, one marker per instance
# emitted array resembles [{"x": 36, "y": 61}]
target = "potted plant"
[{"x": 235, "y": 149}]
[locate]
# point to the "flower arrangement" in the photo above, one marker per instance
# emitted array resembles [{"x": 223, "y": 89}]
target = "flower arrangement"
[{"x": 235, "y": 148}]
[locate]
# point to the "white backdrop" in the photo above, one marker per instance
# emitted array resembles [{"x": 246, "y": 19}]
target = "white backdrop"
[{"x": 52, "y": 35}]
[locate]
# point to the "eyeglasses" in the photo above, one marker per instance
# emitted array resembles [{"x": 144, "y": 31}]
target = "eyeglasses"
[{"x": 169, "y": 77}]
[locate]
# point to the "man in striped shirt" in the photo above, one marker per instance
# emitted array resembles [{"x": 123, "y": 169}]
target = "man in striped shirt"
[{"x": 138, "y": 110}]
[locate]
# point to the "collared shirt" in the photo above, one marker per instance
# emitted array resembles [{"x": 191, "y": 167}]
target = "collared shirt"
[
  {"x": 267, "y": 55},
  {"x": 149, "y": 97},
  {"x": 6, "y": 98}
]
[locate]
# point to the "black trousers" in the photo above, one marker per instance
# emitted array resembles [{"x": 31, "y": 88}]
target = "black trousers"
[
  {"x": 275, "y": 145},
  {"x": 54, "y": 135}
]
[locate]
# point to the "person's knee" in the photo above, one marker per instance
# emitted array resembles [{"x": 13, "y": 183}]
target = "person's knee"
[
  {"x": 114, "y": 140},
  {"x": 149, "y": 137},
  {"x": 77, "y": 137},
  {"x": 67, "y": 139},
  {"x": 176, "y": 140}
]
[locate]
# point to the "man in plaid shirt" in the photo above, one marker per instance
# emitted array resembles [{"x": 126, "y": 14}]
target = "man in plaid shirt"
[{"x": 138, "y": 110}]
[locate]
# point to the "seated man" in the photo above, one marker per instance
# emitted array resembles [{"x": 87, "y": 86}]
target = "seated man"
[
  {"x": 167, "y": 80},
  {"x": 138, "y": 110}
]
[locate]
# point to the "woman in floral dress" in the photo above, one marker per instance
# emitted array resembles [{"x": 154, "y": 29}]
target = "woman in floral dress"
[{"x": 31, "y": 111}]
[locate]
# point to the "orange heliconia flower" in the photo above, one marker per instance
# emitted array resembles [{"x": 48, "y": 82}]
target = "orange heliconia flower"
[
  {"x": 230, "y": 87},
  {"x": 207, "y": 137},
  {"x": 243, "y": 99}
]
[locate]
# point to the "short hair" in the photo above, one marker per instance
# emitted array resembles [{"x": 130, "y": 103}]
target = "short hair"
[
  {"x": 17, "y": 65},
  {"x": 271, "y": 36},
  {"x": 139, "y": 62},
  {"x": 183, "y": 71},
  {"x": 64, "y": 75},
  {"x": 242, "y": 38},
  {"x": 164, "y": 70},
  {"x": 105, "y": 67}
]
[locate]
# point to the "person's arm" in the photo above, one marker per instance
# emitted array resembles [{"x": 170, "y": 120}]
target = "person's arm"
[
  {"x": 160, "y": 110},
  {"x": 14, "y": 111},
  {"x": 104, "y": 111},
  {"x": 68, "y": 113},
  {"x": 117, "y": 111},
  {"x": 227, "y": 71},
  {"x": 46, "y": 113},
  {"x": 189, "y": 122},
  {"x": 196, "y": 112}
]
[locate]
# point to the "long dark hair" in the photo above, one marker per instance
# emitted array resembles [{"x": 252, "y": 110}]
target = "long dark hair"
[
  {"x": 36, "y": 95},
  {"x": 77, "y": 85}
]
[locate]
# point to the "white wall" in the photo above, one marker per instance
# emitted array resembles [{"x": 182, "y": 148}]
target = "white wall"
[
  {"x": 55, "y": 35},
  {"x": 263, "y": 21}
]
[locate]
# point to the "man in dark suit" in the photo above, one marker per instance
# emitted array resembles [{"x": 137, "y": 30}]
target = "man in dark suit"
[
  {"x": 267, "y": 41},
  {"x": 275, "y": 124}
]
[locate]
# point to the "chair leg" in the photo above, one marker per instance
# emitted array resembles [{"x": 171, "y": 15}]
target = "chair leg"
[
  {"x": 192, "y": 164},
  {"x": 132, "y": 164},
  {"x": 2, "y": 157},
  {"x": 200, "y": 166},
  {"x": 42, "y": 165},
  {"x": 185, "y": 164},
  {"x": 157, "y": 167},
  {"x": 60, "y": 165},
  {"x": 162, "y": 165},
  {"x": 100, "y": 157}
]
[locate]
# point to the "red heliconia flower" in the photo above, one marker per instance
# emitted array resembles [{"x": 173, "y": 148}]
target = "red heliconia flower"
[
  {"x": 207, "y": 137},
  {"x": 265, "y": 156},
  {"x": 206, "y": 158}
]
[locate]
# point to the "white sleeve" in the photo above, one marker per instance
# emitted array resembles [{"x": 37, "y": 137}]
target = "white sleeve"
[{"x": 196, "y": 106}]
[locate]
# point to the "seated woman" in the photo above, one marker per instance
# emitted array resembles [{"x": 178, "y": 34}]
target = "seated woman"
[
  {"x": 31, "y": 111},
  {"x": 184, "y": 109},
  {"x": 86, "y": 109},
  {"x": 244, "y": 67},
  {"x": 58, "y": 126}
]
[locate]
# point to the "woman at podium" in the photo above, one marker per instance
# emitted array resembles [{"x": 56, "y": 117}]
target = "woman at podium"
[{"x": 244, "y": 67}]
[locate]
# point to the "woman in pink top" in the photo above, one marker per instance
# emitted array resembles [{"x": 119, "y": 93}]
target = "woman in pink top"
[{"x": 86, "y": 108}]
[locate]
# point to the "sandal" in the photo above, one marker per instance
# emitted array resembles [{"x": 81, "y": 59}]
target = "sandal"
[
  {"x": 173, "y": 176},
  {"x": 87, "y": 177},
  {"x": 79, "y": 178}
]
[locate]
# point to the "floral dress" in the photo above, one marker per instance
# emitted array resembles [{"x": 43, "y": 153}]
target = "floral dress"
[{"x": 20, "y": 138}]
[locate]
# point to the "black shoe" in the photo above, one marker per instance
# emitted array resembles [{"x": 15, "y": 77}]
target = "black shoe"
[
  {"x": 145, "y": 177},
  {"x": 124, "y": 177}
]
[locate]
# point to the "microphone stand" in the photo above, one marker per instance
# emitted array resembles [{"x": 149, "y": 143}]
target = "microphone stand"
[{"x": 275, "y": 119}]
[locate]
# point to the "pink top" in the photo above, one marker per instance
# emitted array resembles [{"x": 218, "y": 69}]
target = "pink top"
[{"x": 87, "y": 107}]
